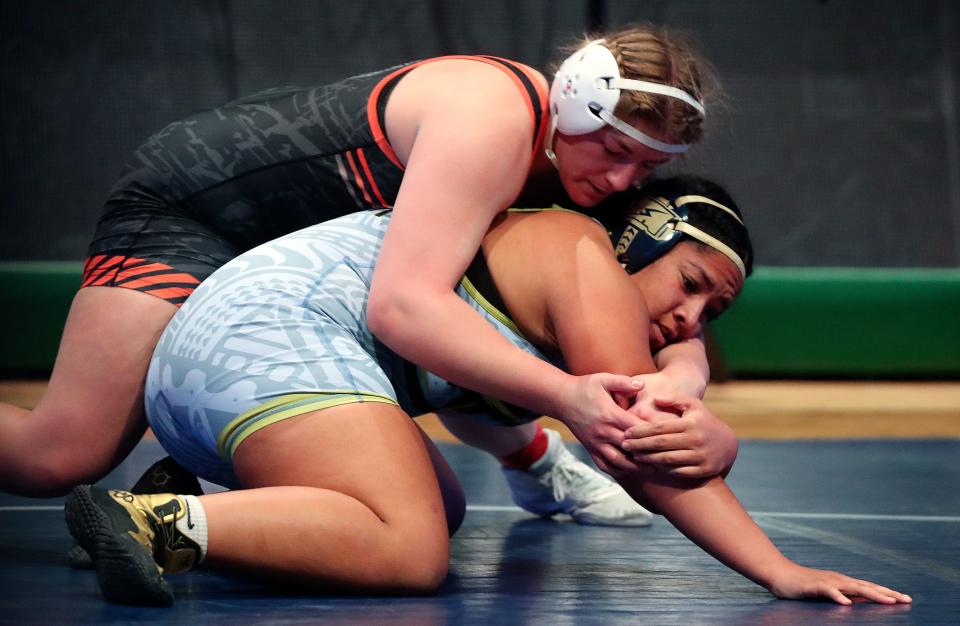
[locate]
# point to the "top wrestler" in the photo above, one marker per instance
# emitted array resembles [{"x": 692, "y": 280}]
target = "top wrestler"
[{"x": 447, "y": 143}]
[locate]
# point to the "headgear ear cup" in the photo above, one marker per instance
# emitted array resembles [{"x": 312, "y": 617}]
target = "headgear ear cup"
[
  {"x": 585, "y": 92},
  {"x": 647, "y": 234},
  {"x": 655, "y": 228},
  {"x": 579, "y": 89}
]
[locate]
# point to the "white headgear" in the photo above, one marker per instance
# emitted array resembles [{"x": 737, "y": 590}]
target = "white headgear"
[{"x": 585, "y": 92}]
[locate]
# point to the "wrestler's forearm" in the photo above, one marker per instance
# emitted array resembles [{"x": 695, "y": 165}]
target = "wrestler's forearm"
[
  {"x": 710, "y": 515},
  {"x": 685, "y": 364},
  {"x": 466, "y": 350}
]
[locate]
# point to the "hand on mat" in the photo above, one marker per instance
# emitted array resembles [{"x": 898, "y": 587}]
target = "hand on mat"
[
  {"x": 595, "y": 419},
  {"x": 682, "y": 438},
  {"x": 798, "y": 583}
]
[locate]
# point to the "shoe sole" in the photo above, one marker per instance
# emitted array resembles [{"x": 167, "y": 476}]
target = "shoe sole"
[
  {"x": 125, "y": 570},
  {"x": 161, "y": 477}
]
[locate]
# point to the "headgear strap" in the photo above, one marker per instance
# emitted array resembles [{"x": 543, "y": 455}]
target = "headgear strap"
[
  {"x": 656, "y": 228},
  {"x": 585, "y": 92}
]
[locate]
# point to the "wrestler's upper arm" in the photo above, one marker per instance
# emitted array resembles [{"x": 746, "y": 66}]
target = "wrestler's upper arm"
[{"x": 598, "y": 316}]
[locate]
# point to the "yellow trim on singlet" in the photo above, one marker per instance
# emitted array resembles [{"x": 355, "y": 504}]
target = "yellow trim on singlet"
[
  {"x": 272, "y": 411},
  {"x": 483, "y": 302},
  {"x": 489, "y": 308}
]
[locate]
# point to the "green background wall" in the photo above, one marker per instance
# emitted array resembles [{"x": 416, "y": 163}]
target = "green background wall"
[{"x": 814, "y": 322}]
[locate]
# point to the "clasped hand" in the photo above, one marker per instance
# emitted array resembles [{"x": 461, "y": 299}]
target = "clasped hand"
[
  {"x": 661, "y": 431},
  {"x": 598, "y": 421},
  {"x": 679, "y": 435}
]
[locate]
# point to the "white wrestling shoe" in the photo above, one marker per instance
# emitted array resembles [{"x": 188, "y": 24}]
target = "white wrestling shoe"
[{"x": 561, "y": 483}]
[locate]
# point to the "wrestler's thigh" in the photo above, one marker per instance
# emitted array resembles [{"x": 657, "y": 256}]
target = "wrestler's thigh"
[
  {"x": 95, "y": 392},
  {"x": 372, "y": 452}
]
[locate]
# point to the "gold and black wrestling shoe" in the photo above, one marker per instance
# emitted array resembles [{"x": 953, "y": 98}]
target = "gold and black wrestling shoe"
[
  {"x": 133, "y": 541},
  {"x": 164, "y": 476}
]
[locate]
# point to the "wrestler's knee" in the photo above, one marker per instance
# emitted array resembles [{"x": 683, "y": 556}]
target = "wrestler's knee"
[
  {"x": 421, "y": 563},
  {"x": 455, "y": 506},
  {"x": 454, "y": 499},
  {"x": 415, "y": 555},
  {"x": 49, "y": 459},
  {"x": 54, "y": 471}
]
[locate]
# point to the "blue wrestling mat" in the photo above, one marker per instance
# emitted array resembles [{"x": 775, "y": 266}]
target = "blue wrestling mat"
[{"x": 888, "y": 511}]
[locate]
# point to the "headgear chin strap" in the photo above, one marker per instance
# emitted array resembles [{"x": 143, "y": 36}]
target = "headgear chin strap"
[
  {"x": 655, "y": 229},
  {"x": 585, "y": 92}
]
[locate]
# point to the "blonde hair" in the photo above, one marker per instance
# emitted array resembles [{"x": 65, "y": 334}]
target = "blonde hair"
[{"x": 655, "y": 54}]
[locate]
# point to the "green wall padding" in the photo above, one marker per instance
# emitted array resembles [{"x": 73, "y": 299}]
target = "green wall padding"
[
  {"x": 34, "y": 300},
  {"x": 801, "y": 322},
  {"x": 844, "y": 322}
]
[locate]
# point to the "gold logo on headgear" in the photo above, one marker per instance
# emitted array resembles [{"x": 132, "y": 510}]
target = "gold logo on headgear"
[{"x": 655, "y": 219}]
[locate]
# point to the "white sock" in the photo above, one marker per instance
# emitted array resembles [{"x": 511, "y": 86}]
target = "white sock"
[{"x": 194, "y": 524}]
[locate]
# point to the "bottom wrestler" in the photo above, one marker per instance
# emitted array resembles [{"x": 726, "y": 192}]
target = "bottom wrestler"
[{"x": 268, "y": 381}]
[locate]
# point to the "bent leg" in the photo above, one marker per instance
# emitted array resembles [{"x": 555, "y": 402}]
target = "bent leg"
[
  {"x": 454, "y": 500},
  {"x": 499, "y": 441},
  {"x": 91, "y": 414},
  {"x": 553, "y": 482},
  {"x": 342, "y": 498}
]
